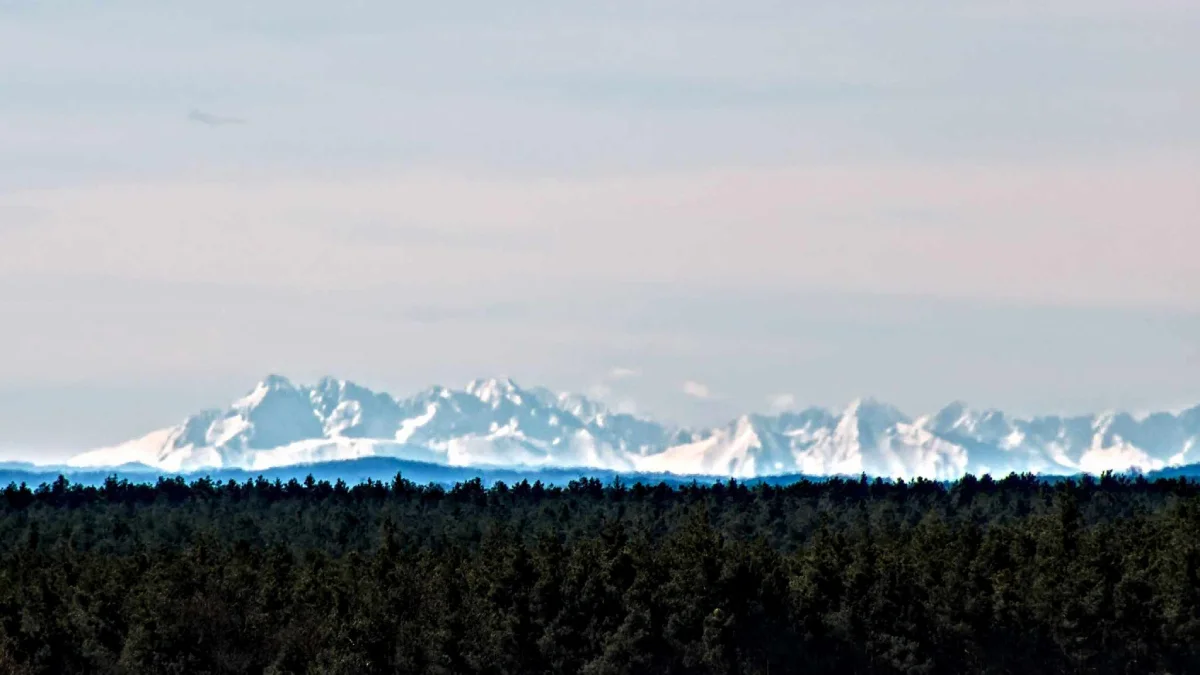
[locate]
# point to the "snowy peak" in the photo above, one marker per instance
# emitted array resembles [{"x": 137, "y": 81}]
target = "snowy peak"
[
  {"x": 872, "y": 414},
  {"x": 958, "y": 420},
  {"x": 806, "y": 423},
  {"x": 496, "y": 391},
  {"x": 275, "y": 413},
  {"x": 497, "y": 422},
  {"x": 949, "y": 417},
  {"x": 866, "y": 423},
  {"x": 580, "y": 406},
  {"x": 269, "y": 391},
  {"x": 1190, "y": 419},
  {"x": 349, "y": 410},
  {"x": 275, "y": 381}
]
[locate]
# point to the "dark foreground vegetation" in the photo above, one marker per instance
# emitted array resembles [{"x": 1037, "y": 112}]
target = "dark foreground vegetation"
[{"x": 982, "y": 576}]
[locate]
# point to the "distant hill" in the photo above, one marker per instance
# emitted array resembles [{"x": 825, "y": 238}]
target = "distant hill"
[{"x": 356, "y": 471}]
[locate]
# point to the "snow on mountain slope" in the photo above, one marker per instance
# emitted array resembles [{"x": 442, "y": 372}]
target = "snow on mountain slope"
[
  {"x": 745, "y": 448},
  {"x": 496, "y": 422},
  {"x": 868, "y": 437},
  {"x": 1096, "y": 443},
  {"x": 490, "y": 422}
]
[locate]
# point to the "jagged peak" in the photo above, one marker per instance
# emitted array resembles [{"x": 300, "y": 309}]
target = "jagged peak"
[
  {"x": 581, "y": 406},
  {"x": 275, "y": 381},
  {"x": 807, "y": 416},
  {"x": 960, "y": 414},
  {"x": 203, "y": 417},
  {"x": 488, "y": 389},
  {"x": 954, "y": 411},
  {"x": 268, "y": 386},
  {"x": 873, "y": 411},
  {"x": 327, "y": 390},
  {"x": 329, "y": 382},
  {"x": 1190, "y": 416},
  {"x": 433, "y": 391},
  {"x": 750, "y": 423}
]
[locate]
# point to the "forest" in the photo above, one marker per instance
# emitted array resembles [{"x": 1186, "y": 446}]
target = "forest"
[{"x": 1015, "y": 575}]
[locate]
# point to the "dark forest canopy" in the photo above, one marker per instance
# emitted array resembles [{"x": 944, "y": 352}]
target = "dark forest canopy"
[{"x": 1096, "y": 575}]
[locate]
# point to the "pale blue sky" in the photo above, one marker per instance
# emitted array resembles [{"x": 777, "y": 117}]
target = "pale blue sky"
[{"x": 922, "y": 201}]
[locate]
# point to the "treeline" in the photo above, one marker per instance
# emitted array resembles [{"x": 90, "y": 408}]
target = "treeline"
[{"x": 841, "y": 576}]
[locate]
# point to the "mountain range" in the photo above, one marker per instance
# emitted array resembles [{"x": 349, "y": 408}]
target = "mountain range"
[{"x": 495, "y": 423}]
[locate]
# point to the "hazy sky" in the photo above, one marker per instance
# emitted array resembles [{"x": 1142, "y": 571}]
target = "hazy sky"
[{"x": 690, "y": 207}]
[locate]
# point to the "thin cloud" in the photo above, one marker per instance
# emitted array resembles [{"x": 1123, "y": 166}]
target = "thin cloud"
[
  {"x": 604, "y": 389},
  {"x": 781, "y": 402},
  {"x": 697, "y": 390},
  {"x": 623, "y": 373},
  {"x": 213, "y": 120}
]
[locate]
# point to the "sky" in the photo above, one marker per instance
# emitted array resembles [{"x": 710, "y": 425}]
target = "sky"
[{"x": 690, "y": 209}]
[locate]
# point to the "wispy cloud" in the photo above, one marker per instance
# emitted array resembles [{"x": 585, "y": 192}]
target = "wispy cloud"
[
  {"x": 697, "y": 390},
  {"x": 781, "y": 402},
  {"x": 609, "y": 384},
  {"x": 620, "y": 373},
  {"x": 212, "y": 120}
]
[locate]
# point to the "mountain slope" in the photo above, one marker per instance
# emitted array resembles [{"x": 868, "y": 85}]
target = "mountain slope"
[{"x": 497, "y": 423}]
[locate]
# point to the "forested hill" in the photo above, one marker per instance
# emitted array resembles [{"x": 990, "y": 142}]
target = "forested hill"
[
  {"x": 841, "y": 576},
  {"x": 384, "y": 468},
  {"x": 361, "y": 470}
]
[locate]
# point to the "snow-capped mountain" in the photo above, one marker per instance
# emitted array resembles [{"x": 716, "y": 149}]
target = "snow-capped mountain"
[
  {"x": 495, "y": 422},
  {"x": 490, "y": 422}
]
